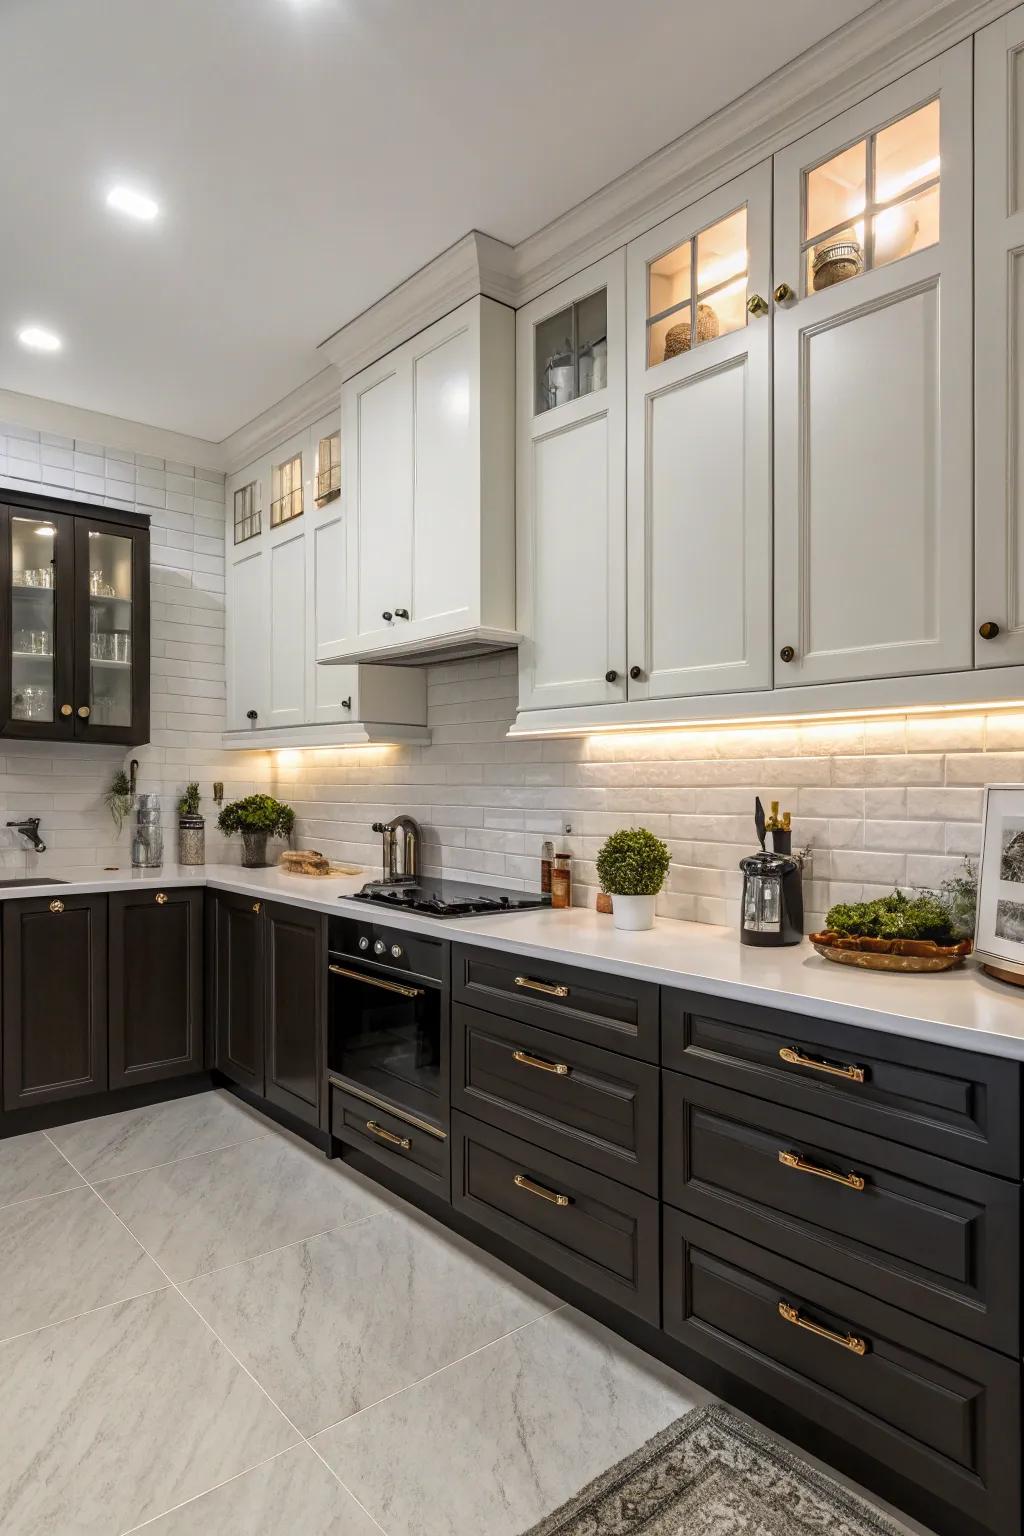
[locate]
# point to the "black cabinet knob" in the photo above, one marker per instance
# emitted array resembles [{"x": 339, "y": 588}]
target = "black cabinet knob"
[
  {"x": 401, "y": 613},
  {"x": 636, "y": 672},
  {"x": 787, "y": 653},
  {"x": 611, "y": 676},
  {"x": 251, "y": 714},
  {"x": 988, "y": 630},
  {"x": 387, "y": 616},
  {"x": 347, "y": 703}
]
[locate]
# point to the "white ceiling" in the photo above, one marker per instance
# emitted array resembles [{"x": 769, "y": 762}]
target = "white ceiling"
[{"x": 308, "y": 155}]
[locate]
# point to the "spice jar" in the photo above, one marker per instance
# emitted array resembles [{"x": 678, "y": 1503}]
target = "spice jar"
[
  {"x": 561, "y": 881},
  {"x": 547, "y": 854}
]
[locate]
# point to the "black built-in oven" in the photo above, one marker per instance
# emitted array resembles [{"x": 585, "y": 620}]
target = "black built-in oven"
[{"x": 388, "y": 1018}]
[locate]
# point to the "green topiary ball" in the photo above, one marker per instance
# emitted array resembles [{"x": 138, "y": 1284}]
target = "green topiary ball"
[{"x": 633, "y": 862}]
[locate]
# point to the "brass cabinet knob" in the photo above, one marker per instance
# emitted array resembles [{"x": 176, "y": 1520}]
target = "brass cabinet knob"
[
  {"x": 636, "y": 672},
  {"x": 611, "y": 675},
  {"x": 56, "y": 905},
  {"x": 988, "y": 630},
  {"x": 787, "y": 653},
  {"x": 84, "y": 711},
  {"x": 256, "y": 906},
  {"x": 161, "y": 898},
  {"x": 756, "y": 305},
  {"x": 784, "y": 293},
  {"x": 66, "y": 710}
]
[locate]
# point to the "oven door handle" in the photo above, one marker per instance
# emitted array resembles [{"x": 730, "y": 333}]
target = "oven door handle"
[{"x": 376, "y": 981}]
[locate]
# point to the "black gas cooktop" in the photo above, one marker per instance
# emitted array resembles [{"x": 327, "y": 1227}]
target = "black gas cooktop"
[{"x": 448, "y": 898}]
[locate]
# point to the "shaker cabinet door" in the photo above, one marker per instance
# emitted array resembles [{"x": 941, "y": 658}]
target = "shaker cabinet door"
[
  {"x": 54, "y": 998},
  {"x": 156, "y": 984},
  {"x": 873, "y": 407},
  {"x": 296, "y": 980},
  {"x": 377, "y": 478},
  {"x": 699, "y": 456},
  {"x": 248, "y": 649},
  {"x": 571, "y": 491},
  {"x": 999, "y": 322},
  {"x": 239, "y": 989}
]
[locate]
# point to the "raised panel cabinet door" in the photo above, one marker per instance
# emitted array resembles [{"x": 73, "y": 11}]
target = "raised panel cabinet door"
[
  {"x": 999, "y": 342},
  {"x": 571, "y": 491},
  {"x": 873, "y": 408},
  {"x": 239, "y": 989},
  {"x": 296, "y": 995},
  {"x": 156, "y": 984},
  {"x": 54, "y": 998},
  {"x": 376, "y": 415},
  {"x": 248, "y": 637},
  {"x": 699, "y": 501}
]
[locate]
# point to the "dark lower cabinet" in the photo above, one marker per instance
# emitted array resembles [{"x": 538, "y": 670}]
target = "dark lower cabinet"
[
  {"x": 156, "y": 984},
  {"x": 54, "y": 998},
  {"x": 296, "y": 983},
  {"x": 268, "y": 1000}
]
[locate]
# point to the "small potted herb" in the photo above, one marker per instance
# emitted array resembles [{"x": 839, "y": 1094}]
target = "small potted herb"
[
  {"x": 119, "y": 799},
  {"x": 256, "y": 817},
  {"x": 632, "y": 866},
  {"x": 191, "y": 828}
]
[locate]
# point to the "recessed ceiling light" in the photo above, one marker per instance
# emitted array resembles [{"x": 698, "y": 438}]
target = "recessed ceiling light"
[
  {"x": 39, "y": 339},
  {"x": 136, "y": 204}
]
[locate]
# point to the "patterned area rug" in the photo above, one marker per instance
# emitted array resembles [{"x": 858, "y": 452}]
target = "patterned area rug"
[{"x": 712, "y": 1474}]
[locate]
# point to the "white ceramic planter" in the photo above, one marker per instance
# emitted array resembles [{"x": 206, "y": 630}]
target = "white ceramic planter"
[{"x": 633, "y": 912}]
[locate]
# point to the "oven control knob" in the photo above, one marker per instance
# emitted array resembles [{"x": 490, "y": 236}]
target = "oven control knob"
[
  {"x": 364, "y": 942},
  {"x": 379, "y": 946},
  {"x": 396, "y": 951}
]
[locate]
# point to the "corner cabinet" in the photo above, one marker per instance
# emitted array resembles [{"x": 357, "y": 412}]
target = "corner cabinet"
[
  {"x": 74, "y": 622},
  {"x": 155, "y": 1018},
  {"x": 428, "y": 472}
]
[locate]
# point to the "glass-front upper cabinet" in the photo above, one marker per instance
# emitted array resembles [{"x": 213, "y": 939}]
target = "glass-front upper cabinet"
[
  {"x": 705, "y": 275},
  {"x": 74, "y": 652},
  {"x": 570, "y": 352}
]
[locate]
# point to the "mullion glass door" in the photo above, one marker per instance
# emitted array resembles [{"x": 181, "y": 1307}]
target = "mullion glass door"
[
  {"x": 37, "y": 563},
  {"x": 108, "y": 630}
]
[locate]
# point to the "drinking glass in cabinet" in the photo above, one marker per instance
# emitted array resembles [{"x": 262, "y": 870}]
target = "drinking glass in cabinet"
[
  {"x": 571, "y": 352},
  {"x": 32, "y": 604},
  {"x": 110, "y": 618},
  {"x": 874, "y": 202}
]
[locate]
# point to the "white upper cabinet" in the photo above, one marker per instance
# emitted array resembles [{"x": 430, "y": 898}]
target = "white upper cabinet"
[
  {"x": 429, "y": 484},
  {"x": 326, "y": 575},
  {"x": 247, "y": 634},
  {"x": 873, "y": 386},
  {"x": 571, "y": 490},
  {"x": 699, "y": 447},
  {"x": 291, "y": 476},
  {"x": 999, "y": 343}
]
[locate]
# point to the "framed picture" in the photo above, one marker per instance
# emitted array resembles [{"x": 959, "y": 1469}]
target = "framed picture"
[{"x": 999, "y": 929}]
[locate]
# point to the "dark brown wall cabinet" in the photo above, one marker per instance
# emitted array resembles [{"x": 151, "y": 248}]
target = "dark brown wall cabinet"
[
  {"x": 156, "y": 984},
  {"x": 74, "y": 621},
  {"x": 54, "y": 998},
  {"x": 268, "y": 991}
]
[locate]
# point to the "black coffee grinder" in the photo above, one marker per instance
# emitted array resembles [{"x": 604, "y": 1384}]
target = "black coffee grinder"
[{"x": 772, "y": 910}]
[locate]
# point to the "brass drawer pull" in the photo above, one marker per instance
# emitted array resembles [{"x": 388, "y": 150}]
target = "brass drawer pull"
[
  {"x": 847, "y": 1180},
  {"x": 848, "y": 1341},
  {"x": 558, "y": 1067},
  {"x": 376, "y": 981},
  {"x": 547, "y": 987},
  {"x": 56, "y": 906},
  {"x": 522, "y": 1182},
  {"x": 405, "y": 1142},
  {"x": 798, "y": 1059},
  {"x": 160, "y": 898}
]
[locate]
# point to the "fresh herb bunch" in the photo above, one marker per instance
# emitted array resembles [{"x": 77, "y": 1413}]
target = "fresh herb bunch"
[
  {"x": 119, "y": 798},
  {"x": 188, "y": 805},
  {"x": 633, "y": 862},
  {"x": 959, "y": 895},
  {"x": 894, "y": 917},
  {"x": 257, "y": 813}
]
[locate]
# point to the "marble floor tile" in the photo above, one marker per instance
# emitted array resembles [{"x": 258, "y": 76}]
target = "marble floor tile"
[
  {"x": 65, "y": 1254},
  {"x": 133, "y": 1139},
  {"x": 117, "y": 1416},
  {"x": 499, "y": 1440},
  {"x": 30, "y": 1166},
  {"x": 294, "y": 1493},
  {"x": 205, "y": 1212},
  {"x": 330, "y": 1325}
]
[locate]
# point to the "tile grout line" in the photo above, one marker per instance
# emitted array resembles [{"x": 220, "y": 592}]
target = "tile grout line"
[
  {"x": 173, "y": 1285},
  {"x": 133, "y": 1173},
  {"x": 73, "y": 1317},
  {"x": 51, "y": 1194}
]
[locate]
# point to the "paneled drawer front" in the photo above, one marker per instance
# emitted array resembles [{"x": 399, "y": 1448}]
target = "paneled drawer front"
[
  {"x": 941, "y": 1411},
  {"x": 594, "y": 1106},
  {"x": 597, "y": 1232},
  {"x": 613, "y": 1012},
  {"x": 409, "y": 1149},
  {"x": 933, "y": 1237},
  {"x": 954, "y": 1103}
]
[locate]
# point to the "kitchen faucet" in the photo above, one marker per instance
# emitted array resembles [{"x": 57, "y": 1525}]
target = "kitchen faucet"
[{"x": 30, "y": 828}]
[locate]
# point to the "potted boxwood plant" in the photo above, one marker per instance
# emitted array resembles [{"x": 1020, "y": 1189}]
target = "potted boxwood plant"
[
  {"x": 191, "y": 828},
  {"x": 256, "y": 817},
  {"x": 632, "y": 866}
]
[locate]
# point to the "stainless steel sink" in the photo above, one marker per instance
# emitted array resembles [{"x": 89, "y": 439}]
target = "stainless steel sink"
[{"x": 31, "y": 880}]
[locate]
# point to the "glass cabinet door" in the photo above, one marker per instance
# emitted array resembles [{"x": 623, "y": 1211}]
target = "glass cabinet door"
[
  {"x": 107, "y": 632},
  {"x": 37, "y": 560}
]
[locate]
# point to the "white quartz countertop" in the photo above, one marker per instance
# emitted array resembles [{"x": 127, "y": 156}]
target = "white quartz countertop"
[{"x": 961, "y": 1008}]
